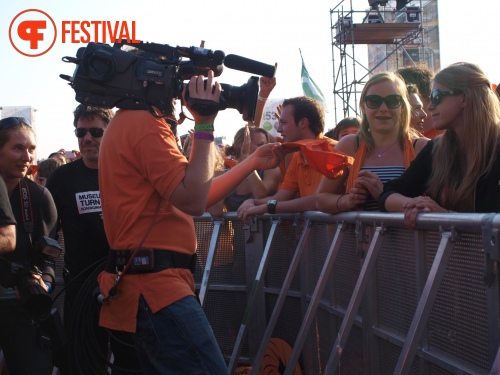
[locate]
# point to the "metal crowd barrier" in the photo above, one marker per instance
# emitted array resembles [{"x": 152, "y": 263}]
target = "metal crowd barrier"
[{"x": 354, "y": 293}]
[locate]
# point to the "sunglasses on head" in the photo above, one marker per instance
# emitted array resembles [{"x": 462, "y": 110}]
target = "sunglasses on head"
[
  {"x": 375, "y": 101},
  {"x": 94, "y": 132},
  {"x": 10, "y": 122},
  {"x": 438, "y": 95}
]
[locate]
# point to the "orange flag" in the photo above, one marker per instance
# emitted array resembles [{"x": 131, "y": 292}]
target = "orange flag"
[{"x": 322, "y": 156}]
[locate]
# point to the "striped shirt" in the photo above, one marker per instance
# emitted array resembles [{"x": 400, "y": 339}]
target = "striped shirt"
[{"x": 385, "y": 173}]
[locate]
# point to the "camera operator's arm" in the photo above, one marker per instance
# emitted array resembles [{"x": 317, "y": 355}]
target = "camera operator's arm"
[
  {"x": 265, "y": 157},
  {"x": 190, "y": 196}
]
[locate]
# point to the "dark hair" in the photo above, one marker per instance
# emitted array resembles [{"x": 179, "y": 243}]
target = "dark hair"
[
  {"x": 45, "y": 167},
  {"x": 329, "y": 133},
  {"x": 348, "y": 122},
  {"x": 5, "y": 132},
  {"x": 420, "y": 75},
  {"x": 87, "y": 113},
  {"x": 305, "y": 107},
  {"x": 58, "y": 153},
  {"x": 412, "y": 89}
]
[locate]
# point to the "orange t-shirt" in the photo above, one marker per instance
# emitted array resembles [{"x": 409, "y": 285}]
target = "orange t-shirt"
[
  {"x": 300, "y": 177},
  {"x": 139, "y": 164}
]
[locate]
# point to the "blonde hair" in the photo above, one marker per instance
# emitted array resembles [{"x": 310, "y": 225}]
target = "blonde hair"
[
  {"x": 404, "y": 120},
  {"x": 218, "y": 159},
  {"x": 239, "y": 138},
  {"x": 456, "y": 167}
]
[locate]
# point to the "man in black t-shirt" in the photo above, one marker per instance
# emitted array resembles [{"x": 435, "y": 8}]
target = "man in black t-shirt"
[{"x": 75, "y": 189}]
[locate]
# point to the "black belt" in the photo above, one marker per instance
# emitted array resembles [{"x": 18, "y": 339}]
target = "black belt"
[{"x": 149, "y": 260}]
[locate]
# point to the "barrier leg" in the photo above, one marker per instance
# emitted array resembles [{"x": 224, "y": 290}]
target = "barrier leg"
[
  {"x": 210, "y": 260},
  {"x": 495, "y": 370},
  {"x": 316, "y": 298},
  {"x": 425, "y": 303},
  {"x": 281, "y": 298},
  {"x": 257, "y": 285},
  {"x": 357, "y": 295}
]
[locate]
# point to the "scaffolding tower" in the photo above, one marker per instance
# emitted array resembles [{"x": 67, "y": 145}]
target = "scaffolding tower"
[{"x": 387, "y": 28}]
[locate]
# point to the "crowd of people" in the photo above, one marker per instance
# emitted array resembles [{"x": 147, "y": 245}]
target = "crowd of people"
[{"x": 424, "y": 142}]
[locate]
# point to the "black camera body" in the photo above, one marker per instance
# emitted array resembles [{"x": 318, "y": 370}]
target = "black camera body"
[
  {"x": 152, "y": 75},
  {"x": 33, "y": 296}
]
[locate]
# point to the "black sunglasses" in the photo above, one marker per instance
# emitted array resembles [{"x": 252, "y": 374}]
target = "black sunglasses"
[
  {"x": 94, "y": 132},
  {"x": 10, "y": 122},
  {"x": 438, "y": 95},
  {"x": 375, "y": 101}
]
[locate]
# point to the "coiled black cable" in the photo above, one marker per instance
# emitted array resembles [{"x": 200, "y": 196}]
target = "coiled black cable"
[{"x": 84, "y": 349}]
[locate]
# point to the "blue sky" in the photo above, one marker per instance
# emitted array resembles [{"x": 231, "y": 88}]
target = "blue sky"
[{"x": 268, "y": 31}]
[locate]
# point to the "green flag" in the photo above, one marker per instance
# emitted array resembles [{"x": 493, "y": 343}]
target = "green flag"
[{"x": 310, "y": 88}]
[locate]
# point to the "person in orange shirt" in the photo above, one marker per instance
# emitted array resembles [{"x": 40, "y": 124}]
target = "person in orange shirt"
[
  {"x": 301, "y": 118},
  {"x": 149, "y": 193}
]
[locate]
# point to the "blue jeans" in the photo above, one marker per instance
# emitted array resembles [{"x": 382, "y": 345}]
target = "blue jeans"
[{"x": 177, "y": 339}]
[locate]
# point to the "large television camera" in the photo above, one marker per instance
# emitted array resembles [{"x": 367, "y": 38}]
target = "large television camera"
[{"x": 151, "y": 75}]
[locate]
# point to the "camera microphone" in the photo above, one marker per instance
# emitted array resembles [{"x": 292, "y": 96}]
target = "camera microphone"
[{"x": 249, "y": 66}]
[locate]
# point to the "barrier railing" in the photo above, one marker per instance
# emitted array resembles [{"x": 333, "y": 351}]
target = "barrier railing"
[{"x": 354, "y": 293}]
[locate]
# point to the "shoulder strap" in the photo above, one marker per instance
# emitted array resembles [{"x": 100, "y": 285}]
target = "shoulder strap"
[{"x": 26, "y": 208}]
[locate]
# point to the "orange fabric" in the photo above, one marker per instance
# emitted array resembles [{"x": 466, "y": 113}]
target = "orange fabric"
[
  {"x": 322, "y": 156},
  {"x": 139, "y": 162},
  {"x": 432, "y": 133},
  {"x": 300, "y": 176},
  {"x": 229, "y": 163},
  {"x": 359, "y": 159}
]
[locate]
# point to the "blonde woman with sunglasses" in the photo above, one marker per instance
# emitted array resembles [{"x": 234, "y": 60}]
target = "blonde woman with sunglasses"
[
  {"x": 460, "y": 170},
  {"x": 383, "y": 148}
]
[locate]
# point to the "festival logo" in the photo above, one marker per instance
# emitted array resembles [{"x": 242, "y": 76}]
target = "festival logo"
[{"x": 33, "y": 32}]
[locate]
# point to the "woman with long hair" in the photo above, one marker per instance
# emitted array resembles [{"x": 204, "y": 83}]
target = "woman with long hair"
[
  {"x": 260, "y": 183},
  {"x": 383, "y": 148},
  {"x": 34, "y": 210},
  {"x": 460, "y": 170}
]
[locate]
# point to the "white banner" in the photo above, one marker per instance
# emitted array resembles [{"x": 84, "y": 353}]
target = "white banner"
[{"x": 269, "y": 120}]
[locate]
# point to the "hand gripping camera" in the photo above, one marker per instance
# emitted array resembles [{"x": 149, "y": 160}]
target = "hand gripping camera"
[
  {"x": 151, "y": 75},
  {"x": 33, "y": 297}
]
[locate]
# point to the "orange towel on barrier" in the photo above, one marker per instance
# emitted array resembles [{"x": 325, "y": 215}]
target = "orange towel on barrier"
[
  {"x": 322, "y": 156},
  {"x": 359, "y": 158}
]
